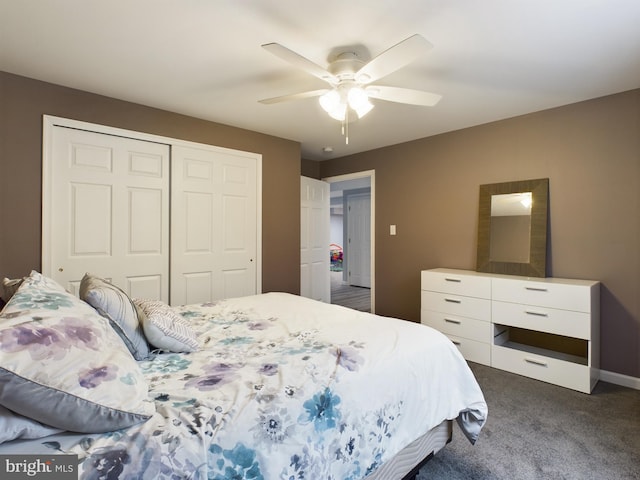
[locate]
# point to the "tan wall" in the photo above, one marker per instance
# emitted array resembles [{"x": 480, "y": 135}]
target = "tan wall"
[
  {"x": 590, "y": 152},
  {"x": 310, "y": 168},
  {"x": 23, "y": 102}
]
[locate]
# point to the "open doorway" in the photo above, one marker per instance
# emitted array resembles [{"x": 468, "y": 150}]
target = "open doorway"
[{"x": 352, "y": 213}]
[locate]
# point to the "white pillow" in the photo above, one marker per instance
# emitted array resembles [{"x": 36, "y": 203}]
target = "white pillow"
[
  {"x": 14, "y": 426},
  {"x": 164, "y": 328}
]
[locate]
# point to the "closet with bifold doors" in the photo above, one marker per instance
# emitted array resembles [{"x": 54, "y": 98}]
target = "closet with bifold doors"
[{"x": 161, "y": 218}]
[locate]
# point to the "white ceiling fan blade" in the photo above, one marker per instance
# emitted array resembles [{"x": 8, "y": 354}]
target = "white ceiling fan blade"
[
  {"x": 299, "y": 61},
  {"x": 294, "y": 96},
  {"x": 403, "y": 95},
  {"x": 393, "y": 59}
]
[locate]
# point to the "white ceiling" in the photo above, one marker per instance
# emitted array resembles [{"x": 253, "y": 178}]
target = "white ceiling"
[{"x": 492, "y": 59}]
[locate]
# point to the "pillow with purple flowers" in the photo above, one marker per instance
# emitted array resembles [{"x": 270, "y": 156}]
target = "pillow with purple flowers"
[{"x": 62, "y": 364}]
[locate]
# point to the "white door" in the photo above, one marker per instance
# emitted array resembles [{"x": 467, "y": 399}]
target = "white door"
[
  {"x": 358, "y": 249},
  {"x": 315, "y": 280},
  {"x": 106, "y": 211},
  {"x": 213, "y": 224}
]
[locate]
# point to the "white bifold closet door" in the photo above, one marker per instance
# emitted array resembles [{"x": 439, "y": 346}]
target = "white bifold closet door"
[
  {"x": 213, "y": 225},
  {"x": 174, "y": 222},
  {"x": 106, "y": 211}
]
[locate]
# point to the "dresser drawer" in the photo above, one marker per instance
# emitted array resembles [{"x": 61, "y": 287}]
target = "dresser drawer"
[
  {"x": 541, "y": 367},
  {"x": 463, "y": 327},
  {"x": 457, "y": 282},
  {"x": 459, "y": 305},
  {"x": 472, "y": 350},
  {"x": 573, "y": 295},
  {"x": 541, "y": 319}
]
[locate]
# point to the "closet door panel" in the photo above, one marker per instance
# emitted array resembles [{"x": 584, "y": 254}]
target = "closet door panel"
[
  {"x": 214, "y": 230},
  {"x": 90, "y": 220},
  {"x": 238, "y": 234},
  {"x": 198, "y": 218},
  {"x": 145, "y": 221},
  {"x": 198, "y": 286},
  {"x": 106, "y": 211},
  {"x": 144, "y": 286}
]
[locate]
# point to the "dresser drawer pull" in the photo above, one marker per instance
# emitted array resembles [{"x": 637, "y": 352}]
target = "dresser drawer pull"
[
  {"x": 537, "y": 314},
  {"x": 450, "y": 320},
  {"x": 449, "y": 279},
  {"x": 452, "y": 300},
  {"x": 536, "y": 289},
  {"x": 455, "y": 342},
  {"x": 536, "y": 362}
]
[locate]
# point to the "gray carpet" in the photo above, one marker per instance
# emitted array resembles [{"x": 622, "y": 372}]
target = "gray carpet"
[{"x": 540, "y": 431}]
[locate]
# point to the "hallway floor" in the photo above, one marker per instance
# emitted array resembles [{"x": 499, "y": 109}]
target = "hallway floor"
[{"x": 358, "y": 298}]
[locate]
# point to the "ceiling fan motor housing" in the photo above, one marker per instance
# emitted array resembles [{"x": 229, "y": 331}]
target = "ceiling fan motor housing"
[{"x": 345, "y": 67}]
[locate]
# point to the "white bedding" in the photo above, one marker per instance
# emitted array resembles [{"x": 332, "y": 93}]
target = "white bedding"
[{"x": 284, "y": 387}]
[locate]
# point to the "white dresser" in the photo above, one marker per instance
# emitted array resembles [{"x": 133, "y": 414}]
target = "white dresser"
[
  {"x": 458, "y": 303},
  {"x": 544, "y": 328}
]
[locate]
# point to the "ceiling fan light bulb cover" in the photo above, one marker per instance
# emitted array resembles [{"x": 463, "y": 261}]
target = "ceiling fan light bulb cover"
[
  {"x": 339, "y": 113},
  {"x": 330, "y": 101},
  {"x": 357, "y": 97},
  {"x": 362, "y": 110},
  {"x": 359, "y": 101}
]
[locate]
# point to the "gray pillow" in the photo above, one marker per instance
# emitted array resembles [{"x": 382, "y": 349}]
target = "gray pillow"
[
  {"x": 9, "y": 287},
  {"x": 116, "y": 306}
]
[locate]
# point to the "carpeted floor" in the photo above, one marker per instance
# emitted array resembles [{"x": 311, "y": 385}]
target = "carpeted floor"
[{"x": 540, "y": 431}]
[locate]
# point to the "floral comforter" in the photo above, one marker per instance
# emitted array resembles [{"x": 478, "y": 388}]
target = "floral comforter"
[{"x": 285, "y": 388}]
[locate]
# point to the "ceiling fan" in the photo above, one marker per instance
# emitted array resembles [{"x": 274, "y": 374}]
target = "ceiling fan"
[{"x": 351, "y": 80}]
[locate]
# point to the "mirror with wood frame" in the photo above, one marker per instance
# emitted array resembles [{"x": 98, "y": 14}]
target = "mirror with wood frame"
[{"x": 512, "y": 228}]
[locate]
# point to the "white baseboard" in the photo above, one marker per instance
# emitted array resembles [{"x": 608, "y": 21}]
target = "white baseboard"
[{"x": 619, "y": 379}]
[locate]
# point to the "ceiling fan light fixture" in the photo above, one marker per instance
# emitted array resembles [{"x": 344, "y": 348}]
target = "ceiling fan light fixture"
[
  {"x": 330, "y": 101},
  {"x": 335, "y": 102},
  {"x": 359, "y": 101},
  {"x": 339, "y": 112},
  {"x": 333, "y": 105}
]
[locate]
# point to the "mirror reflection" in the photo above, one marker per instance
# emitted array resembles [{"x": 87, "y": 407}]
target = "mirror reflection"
[{"x": 510, "y": 227}]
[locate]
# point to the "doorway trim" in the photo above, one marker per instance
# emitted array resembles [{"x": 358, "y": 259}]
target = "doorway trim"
[{"x": 371, "y": 174}]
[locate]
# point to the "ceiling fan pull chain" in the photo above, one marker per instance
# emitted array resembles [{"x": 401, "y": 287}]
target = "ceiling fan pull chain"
[{"x": 346, "y": 117}]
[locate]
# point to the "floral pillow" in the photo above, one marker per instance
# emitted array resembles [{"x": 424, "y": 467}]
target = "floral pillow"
[
  {"x": 40, "y": 294},
  {"x": 165, "y": 328},
  {"x": 62, "y": 365},
  {"x": 116, "y": 306}
]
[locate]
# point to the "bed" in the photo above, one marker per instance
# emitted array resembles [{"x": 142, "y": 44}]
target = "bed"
[{"x": 270, "y": 386}]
